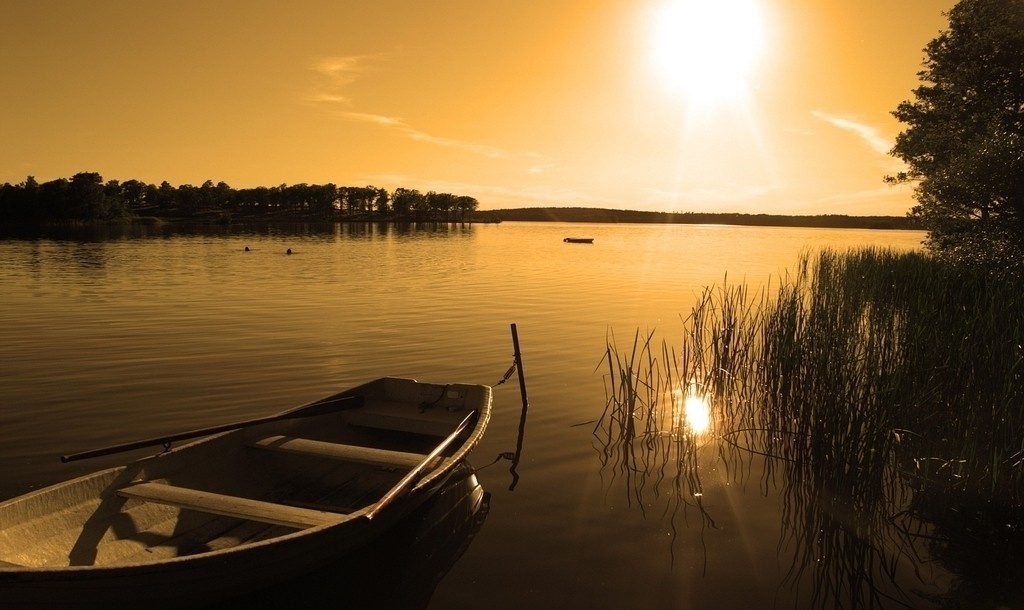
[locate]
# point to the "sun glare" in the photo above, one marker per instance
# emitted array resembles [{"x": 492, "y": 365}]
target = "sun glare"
[
  {"x": 706, "y": 49},
  {"x": 691, "y": 411},
  {"x": 698, "y": 414}
]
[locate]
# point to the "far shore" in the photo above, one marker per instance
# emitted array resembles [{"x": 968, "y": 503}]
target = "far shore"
[
  {"x": 601, "y": 215},
  {"x": 548, "y": 214}
]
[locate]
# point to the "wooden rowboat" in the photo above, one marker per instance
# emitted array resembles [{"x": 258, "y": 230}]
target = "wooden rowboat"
[
  {"x": 401, "y": 568},
  {"x": 258, "y": 503},
  {"x": 579, "y": 240}
]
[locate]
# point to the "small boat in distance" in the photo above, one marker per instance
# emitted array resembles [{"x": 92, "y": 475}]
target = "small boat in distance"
[
  {"x": 579, "y": 240},
  {"x": 258, "y": 503}
]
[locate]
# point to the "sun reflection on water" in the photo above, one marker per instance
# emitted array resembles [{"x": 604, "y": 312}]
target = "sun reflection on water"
[
  {"x": 698, "y": 414},
  {"x": 691, "y": 411}
]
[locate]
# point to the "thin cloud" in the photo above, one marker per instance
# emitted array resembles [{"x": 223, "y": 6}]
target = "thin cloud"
[
  {"x": 868, "y": 133},
  {"x": 328, "y": 98},
  {"x": 341, "y": 70},
  {"x": 377, "y": 119},
  {"x": 404, "y": 129},
  {"x": 333, "y": 74}
]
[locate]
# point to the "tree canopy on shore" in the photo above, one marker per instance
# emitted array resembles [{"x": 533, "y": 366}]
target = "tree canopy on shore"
[
  {"x": 964, "y": 141},
  {"x": 87, "y": 197}
]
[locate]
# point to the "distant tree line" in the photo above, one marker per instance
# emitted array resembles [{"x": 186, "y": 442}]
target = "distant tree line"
[
  {"x": 87, "y": 197},
  {"x": 602, "y": 215}
]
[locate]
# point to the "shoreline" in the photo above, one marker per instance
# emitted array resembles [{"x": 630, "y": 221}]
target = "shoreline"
[
  {"x": 602, "y": 215},
  {"x": 564, "y": 215}
]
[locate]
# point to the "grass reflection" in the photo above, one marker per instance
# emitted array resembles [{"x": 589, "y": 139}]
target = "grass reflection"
[
  {"x": 885, "y": 392},
  {"x": 644, "y": 438}
]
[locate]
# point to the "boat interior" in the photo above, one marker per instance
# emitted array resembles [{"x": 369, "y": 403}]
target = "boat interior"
[{"x": 244, "y": 486}]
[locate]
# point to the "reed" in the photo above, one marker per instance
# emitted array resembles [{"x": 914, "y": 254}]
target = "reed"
[{"x": 882, "y": 384}]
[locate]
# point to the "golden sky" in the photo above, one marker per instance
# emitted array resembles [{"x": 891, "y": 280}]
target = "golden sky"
[{"x": 758, "y": 106}]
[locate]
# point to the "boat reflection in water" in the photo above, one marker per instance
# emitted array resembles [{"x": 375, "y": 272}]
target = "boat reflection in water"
[{"x": 399, "y": 570}]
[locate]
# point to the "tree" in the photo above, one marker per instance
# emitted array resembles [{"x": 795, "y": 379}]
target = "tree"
[
  {"x": 439, "y": 205},
  {"x": 134, "y": 194},
  {"x": 466, "y": 205},
  {"x": 359, "y": 200},
  {"x": 405, "y": 201},
  {"x": 187, "y": 198},
  {"x": 964, "y": 144},
  {"x": 420, "y": 206},
  {"x": 324, "y": 201},
  {"x": 113, "y": 202},
  {"x": 89, "y": 198},
  {"x": 381, "y": 199},
  {"x": 19, "y": 203},
  {"x": 165, "y": 198}
]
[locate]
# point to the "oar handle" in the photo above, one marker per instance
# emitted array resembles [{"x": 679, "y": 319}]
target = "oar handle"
[
  {"x": 413, "y": 475},
  {"x": 319, "y": 407}
]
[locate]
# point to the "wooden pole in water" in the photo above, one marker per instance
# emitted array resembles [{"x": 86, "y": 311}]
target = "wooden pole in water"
[
  {"x": 519, "y": 368},
  {"x": 526, "y": 406}
]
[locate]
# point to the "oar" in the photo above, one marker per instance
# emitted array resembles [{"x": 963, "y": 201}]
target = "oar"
[
  {"x": 415, "y": 473},
  {"x": 309, "y": 410}
]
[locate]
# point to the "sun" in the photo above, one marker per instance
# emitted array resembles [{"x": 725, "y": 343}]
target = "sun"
[{"x": 706, "y": 49}]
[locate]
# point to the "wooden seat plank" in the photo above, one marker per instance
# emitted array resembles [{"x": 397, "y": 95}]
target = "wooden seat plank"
[
  {"x": 229, "y": 506},
  {"x": 406, "y": 417},
  {"x": 339, "y": 451}
]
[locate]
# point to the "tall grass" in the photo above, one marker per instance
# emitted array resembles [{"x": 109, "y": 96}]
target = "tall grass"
[{"x": 884, "y": 385}]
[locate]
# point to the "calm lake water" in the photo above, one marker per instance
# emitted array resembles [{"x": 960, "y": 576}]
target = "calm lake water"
[{"x": 132, "y": 333}]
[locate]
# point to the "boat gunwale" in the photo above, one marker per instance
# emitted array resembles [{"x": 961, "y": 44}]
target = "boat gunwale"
[{"x": 22, "y": 573}]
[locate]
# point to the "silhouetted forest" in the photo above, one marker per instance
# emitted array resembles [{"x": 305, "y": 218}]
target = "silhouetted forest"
[
  {"x": 758, "y": 220},
  {"x": 87, "y": 197}
]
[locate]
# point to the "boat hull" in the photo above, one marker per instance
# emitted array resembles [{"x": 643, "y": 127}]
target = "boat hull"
[
  {"x": 194, "y": 581},
  {"x": 84, "y": 544}
]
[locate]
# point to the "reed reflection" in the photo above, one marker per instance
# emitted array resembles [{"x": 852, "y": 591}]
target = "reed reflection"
[
  {"x": 839, "y": 509},
  {"x": 646, "y": 438},
  {"x": 887, "y": 480}
]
